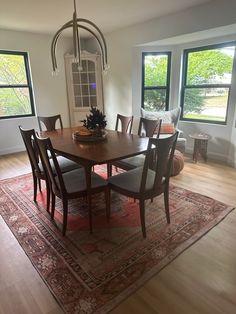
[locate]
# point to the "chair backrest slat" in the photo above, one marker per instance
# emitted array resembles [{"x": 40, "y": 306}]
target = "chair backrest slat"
[
  {"x": 125, "y": 122},
  {"x": 51, "y": 164},
  {"x": 159, "y": 158},
  {"x": 50, "y": 122},
  {"x": 29, "y": 138},
  {"x": 150, "y": 127}
]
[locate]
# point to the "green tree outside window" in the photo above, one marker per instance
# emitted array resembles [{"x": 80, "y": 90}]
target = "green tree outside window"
[
  {"x": 16, "y": 98},
  {"x": 156, "y": 73},
  {"x": 207, "y": 82}
]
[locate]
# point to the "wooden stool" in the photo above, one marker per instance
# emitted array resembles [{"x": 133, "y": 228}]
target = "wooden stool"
[{"x": 200, "y": 145}]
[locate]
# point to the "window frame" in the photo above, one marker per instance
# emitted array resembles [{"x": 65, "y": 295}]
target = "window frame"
[
  {"x": 28, "y": 85},
  {"x": 157, "y": 87},
  {"x": 185, "y": 86}
]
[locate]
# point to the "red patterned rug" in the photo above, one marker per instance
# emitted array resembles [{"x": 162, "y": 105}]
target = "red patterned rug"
[{"x": 92, "y": 273}]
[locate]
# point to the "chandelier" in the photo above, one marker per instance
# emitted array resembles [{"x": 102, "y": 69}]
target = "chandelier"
[{"x": 76, "y": 24}]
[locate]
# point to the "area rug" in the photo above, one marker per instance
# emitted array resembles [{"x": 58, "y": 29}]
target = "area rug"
[{"x": 93, "y": 273}]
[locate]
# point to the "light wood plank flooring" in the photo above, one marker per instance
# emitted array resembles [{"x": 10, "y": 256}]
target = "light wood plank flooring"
[{"x": 202, "y": 280}]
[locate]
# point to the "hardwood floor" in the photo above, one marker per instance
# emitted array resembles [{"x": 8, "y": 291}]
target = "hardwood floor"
[{"x": 202, "y": 280}]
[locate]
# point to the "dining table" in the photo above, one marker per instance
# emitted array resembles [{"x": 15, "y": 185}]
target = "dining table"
[{"x": 89, "y": 152}]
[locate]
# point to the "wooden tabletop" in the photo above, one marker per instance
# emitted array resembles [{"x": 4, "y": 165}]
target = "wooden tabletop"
[{"x": 114, "y": 147}]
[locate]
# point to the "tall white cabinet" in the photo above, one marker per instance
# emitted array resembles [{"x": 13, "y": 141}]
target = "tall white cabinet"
[{"x": 84, "y": 86}]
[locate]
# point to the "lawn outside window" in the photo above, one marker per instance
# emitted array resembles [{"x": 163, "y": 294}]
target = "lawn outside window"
[
  {"x": 206, "y": 83},
  {"x": 155, "y": 80},
  {"x": 16, "y": 95}
]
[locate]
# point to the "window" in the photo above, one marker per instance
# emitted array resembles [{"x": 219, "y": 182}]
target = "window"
[
  {"x": 206, "y": 83},
  {"x": 155, "y": 80},
  {"x": 16, "y": 96}
]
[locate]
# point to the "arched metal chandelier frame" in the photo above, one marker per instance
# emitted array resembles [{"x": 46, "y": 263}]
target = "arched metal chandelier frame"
[{"x": 75, "y": 24}]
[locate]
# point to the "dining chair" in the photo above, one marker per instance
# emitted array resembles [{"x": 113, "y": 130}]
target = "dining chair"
[
  {"x": 50, "y": 122},
  {"x": 38, "y": 172},
  {"x": 70, "y": 185},
  {"x": 148, "y": 128},
  {"x": 150, "y": 180},
  {"x": 124, "y": 124}
]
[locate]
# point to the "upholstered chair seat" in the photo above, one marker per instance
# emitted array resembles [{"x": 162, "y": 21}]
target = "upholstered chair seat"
[
  {"x": 65, "y": 164},
  {"x": 75, "y": 181},
  {"x": 131, "y": 180},
  {"x": 150, "y": 128},
  {"x": 131, "y": 162}
]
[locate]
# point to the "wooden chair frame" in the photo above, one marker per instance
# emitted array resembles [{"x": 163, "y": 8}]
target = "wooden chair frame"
[
  {"x": 58, "y": 186},
  {"x": 50, "y": 122},
  {"x": 126, "y": 123},
  {"x": 162, "y": 150},
  {"x": 150, "y": 128},
  {"x": 29, "y": 138}
]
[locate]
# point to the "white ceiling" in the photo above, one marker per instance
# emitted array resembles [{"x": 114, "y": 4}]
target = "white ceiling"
[{"x": 46, "y": 16}]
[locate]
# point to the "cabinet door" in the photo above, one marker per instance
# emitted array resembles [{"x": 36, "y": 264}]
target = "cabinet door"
[{"x": 84, "y": 86}]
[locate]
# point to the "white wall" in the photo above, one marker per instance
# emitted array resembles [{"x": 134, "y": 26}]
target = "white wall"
[{"x": 50, "y": 92}]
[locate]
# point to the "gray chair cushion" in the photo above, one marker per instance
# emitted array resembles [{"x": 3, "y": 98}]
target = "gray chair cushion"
[
  {"x": 75, "y": 180},
  {"x": 131, "y": 180},
  {"x": 132, "y": 162},
  {"x": 64, "y": 163}
]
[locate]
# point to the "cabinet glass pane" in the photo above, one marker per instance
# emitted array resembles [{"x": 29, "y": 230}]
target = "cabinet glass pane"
[
  {"x": 86, "y": 101},
  {"x": 91, "y": 66},
  {"x": 85, "y": 90},
  {"x": 84, "y": 66},
  {"x": 84, "y": 78},
  {"x": 92, "y": 78},
  {"x": 78, "y": 101},
  {"x": 76, "y": 78},
  {"x": 92, "y": 89},
  {"x": 77, "y": 90},
  {"x": 93, "y": 101}
]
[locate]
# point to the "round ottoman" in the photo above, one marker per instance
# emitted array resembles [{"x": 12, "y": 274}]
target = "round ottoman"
[{"x": 178, "y": 163}]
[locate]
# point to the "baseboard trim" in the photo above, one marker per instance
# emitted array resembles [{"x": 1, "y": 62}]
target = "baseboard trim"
[
  {"x": 213, "y": 156},
  {"x": 12, "y": 150}
]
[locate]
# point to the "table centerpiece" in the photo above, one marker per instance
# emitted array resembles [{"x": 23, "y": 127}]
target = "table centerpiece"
[{"x": 93, "y": 126}]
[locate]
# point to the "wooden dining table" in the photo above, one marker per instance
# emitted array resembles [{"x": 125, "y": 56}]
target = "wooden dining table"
[{"x": 115, "y": 146}]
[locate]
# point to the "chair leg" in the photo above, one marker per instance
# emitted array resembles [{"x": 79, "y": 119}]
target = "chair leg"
[
  {"x": 48, "y": 194},
  {"x": 65, "y": 214},
  {"x": 109, "y": 170},
  {"x": 166, "y": 200},
  {"x": 53, "y": 205},
  {"x": 142, "y": 216},
  {"x": 108, "y": 203},
  {"x": 35, "y": 187},
  {"x": 40, "y": 188},
  {"x": 89, "y": 200}
]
